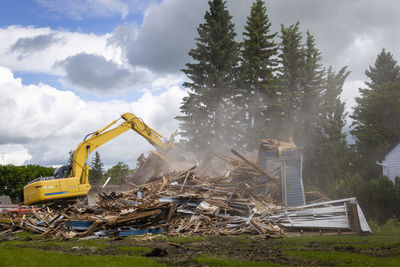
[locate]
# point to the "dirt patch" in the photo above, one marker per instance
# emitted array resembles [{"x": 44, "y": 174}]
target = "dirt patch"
[{"x": 184, "y": 251}]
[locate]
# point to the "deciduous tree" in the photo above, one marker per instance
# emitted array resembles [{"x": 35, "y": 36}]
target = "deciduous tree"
[{"x": 117, "y": 173}]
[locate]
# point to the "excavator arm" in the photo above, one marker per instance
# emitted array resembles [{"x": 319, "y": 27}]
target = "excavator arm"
[
  {"x": 76, "y": 184},
  {"x": 98, "y": 138}
]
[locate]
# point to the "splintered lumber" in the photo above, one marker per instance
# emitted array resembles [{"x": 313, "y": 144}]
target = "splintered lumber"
[
  {"x": 178, "y": 203},
  {"x": 134, "y": 216},
  {"x": 193, "y": 200},
  {"x": 251, "y": 164}
]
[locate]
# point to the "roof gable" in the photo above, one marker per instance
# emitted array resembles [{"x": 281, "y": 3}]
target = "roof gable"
[{"x": 393, "y": 150}]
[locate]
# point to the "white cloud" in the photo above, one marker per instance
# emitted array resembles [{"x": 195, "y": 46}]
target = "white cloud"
[
  {"x": 81, "y": 9},
  {"x": 29, "y": 45},
  {"x": 350, "y": 91},
  {"x": 84, "y": 61},
  {"x": 48, "y": 123},
  {"x": 15, "y": 41},
  {"x": 14, "y": 154},
  {"x": 163, "y": 41},
  {"x": 77, "y": 10},
  {"x": 95, "y": 73}
]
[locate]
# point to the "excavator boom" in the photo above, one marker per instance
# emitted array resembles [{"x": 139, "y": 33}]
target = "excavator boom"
[{"x": 73, "y": 181}]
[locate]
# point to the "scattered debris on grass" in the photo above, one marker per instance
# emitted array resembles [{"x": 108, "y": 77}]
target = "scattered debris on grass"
[{"x": 193, "y": 201}]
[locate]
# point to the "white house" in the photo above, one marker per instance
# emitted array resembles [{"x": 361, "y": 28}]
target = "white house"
[{"x": 391, "y": 163}]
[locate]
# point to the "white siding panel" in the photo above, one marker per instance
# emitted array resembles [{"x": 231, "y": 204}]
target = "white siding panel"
[{"x": 392, "y": 163}]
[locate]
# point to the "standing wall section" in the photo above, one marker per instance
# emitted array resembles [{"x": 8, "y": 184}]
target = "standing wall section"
[
  {"x": 292, "y": 180},
  {"x": 391, "y": 163}
]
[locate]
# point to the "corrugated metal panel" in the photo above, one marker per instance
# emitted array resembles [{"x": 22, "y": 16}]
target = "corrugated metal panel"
[
  {"x": 392, "y": 163},
  {"x": 294, "y": 187},
  {"x": 363, "y": 221},
  {"x": 293, "y": 191},
  {"x": 329, "y": 214}
]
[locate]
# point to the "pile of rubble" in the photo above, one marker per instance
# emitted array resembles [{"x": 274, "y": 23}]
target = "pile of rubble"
[
  {"x": 240, "y": 198},
  {"x": 185, "y": 202}
]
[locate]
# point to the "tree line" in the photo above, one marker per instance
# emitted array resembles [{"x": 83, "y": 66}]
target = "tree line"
[
  {"x": 274, "y": 85},
  {"x": 14, "y": 178}
]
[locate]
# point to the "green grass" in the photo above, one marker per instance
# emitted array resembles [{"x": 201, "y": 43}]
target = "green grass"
[
  {"x": 184, "y": 239},
  {"x": 345, "y": 258},
  {"x": 390, "y": 227},
  {"x": 26, "y": 234},
  {"x": 38, "y": 243},
  {"x": 218, "y": 261},
  {"x": 28, "y": 250},
  {"x": 374, "y": 240},
  {"x": 34, "y": 257},
  {"x": 135, "y": 250}
]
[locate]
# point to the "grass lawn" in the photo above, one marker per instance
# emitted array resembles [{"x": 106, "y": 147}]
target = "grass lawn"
[
  {"x": 244, "y": 250},
  {"x": 11, "y": 256}
]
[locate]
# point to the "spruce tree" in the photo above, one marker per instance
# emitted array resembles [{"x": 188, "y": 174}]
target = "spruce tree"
[
  {"x": 307, "y": 132},
  {"x": 291, "y": 78},
  {"x": 310, "y": 91},
  {"x": 205, "y": 124},
  {"x": 375, "y": 117},
  {"x": 328, "y": 157},
  {"x": 258, "y": 64},
  {"x": 96, "y": 171}
]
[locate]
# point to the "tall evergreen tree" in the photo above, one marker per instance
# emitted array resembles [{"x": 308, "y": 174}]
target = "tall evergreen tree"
[
  {"x": 96, "y": 171},
  {"x": 258, "y": 64},
  {"x": 375, "y": 117},
  {"x": 327, "y": 156},
  {"x": 310, "y": 91},
  {"x": 211, "y": 85},
  {"x": 307, "y": 132},
  {"x": 291, "y": 78}
]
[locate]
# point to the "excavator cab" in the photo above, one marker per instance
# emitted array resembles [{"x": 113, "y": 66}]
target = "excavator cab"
[{"x": 63, "y": 171}]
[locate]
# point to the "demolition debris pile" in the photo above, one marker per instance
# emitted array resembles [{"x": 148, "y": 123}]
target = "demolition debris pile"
[
  {"x": 198, "y": 201},
  {"x": 188, "y": 202}
]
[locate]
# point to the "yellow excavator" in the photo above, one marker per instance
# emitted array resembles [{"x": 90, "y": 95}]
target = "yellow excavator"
[{"x": 72, "y": 181}]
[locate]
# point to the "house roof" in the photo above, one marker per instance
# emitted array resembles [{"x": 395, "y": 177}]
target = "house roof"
[{"x": 388, "y": 150}]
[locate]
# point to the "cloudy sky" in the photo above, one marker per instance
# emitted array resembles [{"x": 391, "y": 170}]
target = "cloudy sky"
[{"x": 68, "y": 67}]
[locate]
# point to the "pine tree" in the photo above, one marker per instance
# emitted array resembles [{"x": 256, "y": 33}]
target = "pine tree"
[
  {"x": 205, "y": 123},
  {"x": 96, "y": 171},
  {"x": 375, "y": 117},
  {"x": 258, "y": 64},
  {"x": 291, "y": 78}
]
